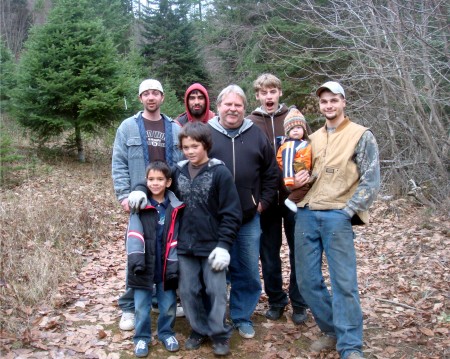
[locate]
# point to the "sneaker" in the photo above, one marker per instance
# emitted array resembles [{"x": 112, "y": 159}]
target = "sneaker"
[
  {"x": 127, "y": 321},
  {"x": 299, "y": 315},
  {"x": 180, "y": 311},
  {"x": 274, "y": 313},
  {"x": 246, "y": 331},
  {"x": 355, "y": 355},
  {"x": 171, "y": 344},
  {"x": 141, "y": 349},
  {"x": 291, "y": 205},
  {"x": 221, "y": 347},
  {"x": 325, "y": 342},
  {"x": 194, "y": 341}
]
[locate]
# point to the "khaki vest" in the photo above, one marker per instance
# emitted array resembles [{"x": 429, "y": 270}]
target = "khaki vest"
[{"x": 336, "y": 171}]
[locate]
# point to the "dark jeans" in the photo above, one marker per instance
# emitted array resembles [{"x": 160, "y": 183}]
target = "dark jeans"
[{"x": 271, "y": 238}]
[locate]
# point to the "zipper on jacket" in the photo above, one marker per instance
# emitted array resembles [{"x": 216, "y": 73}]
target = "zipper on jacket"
[
  {"x": 234, "y": 160},
  {"x": 273, "y": 133}
]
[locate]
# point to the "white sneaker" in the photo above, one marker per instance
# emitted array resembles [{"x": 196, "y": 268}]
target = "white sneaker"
[
  {"x": 291, "y": 205},
  {"x": 127, "y": 321},
  {"x": 180, "y": 311}
]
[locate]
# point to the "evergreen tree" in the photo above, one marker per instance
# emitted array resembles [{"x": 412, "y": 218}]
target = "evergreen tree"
[
  {"x": 169, "y": 47},
  {"x": 70, "y": 75},
  {"x": 7, "y": 75}
]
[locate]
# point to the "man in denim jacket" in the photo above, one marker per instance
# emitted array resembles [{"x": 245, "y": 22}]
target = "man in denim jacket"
[{"x": 147, "y": 136}]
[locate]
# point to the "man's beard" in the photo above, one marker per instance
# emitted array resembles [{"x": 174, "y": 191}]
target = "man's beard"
[{"x": 197, "y": 112}]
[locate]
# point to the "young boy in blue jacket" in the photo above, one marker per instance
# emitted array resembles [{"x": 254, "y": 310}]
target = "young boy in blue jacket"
[{"x": 152, "y": 259}]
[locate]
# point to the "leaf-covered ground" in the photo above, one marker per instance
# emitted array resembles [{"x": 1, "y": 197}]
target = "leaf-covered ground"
[{"x": 403, "y": 267}]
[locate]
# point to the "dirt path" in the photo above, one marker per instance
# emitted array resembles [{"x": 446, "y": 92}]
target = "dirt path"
[{"x": 403, "y": 268}]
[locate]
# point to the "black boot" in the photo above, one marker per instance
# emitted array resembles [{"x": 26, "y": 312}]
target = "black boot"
[
  {"x": 299, "y": 315},
  {"x": 274, "y": 313}
]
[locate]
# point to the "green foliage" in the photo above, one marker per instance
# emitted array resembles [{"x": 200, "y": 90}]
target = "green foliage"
[
  {"x": 169, "y": 46},
  {"x": 10, "y": 160},
  {"x": 7, "y": 75},
  {"x": 70, "y": 76},
  {"x": 117, "y": 19},
  {"x": 171, "y": 106}
]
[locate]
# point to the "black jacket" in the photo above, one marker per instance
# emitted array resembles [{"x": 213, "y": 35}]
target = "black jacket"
[
  {"x": 212, "y": 216},
  {"x": 251, "y": 160},
  {"x": 141, "y": 263}
]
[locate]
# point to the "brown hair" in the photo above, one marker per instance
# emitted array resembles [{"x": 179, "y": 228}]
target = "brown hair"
[
  {"x": 266, "y": 80},
  {"x": 199, "y": 132}
]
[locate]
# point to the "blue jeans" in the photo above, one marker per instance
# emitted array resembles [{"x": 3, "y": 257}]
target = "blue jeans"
[
  {"x": 244, "y": 272},
  {"x": 167, "y": 305},
  {"x": 126, "y": 301},
  {"x": 272, "y": 220},
  {"x": 203, "y": 294},
  {"x": 338, "y": 315}
]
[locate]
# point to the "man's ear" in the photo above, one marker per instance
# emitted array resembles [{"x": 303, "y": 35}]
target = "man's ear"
[{"x": 169, "y": 182}]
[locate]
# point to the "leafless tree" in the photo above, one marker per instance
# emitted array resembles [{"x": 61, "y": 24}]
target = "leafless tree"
[
  {"x": 395, "y": 65},
  {"x": 14, "y": 24}
]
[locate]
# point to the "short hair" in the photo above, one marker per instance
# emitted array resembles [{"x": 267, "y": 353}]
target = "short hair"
[
  {"x": 232, "y": 89},
  {"x": 266, "y": 80},
  {"x": 199, "y": 132},
  {"x": 160, "y": 166}
]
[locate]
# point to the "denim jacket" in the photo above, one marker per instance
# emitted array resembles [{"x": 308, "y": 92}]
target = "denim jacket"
[{"x": 129, "y": 158}]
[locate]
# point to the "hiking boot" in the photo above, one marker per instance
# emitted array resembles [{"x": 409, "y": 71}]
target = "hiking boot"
[
  {"x": 141, "y": 349},
  {"x": 194, "y": 341},
  {"x": 299, "y": 315},
  {"x": 171, "y": 344},
  {"x": 324, "y": 342},
  {"x": 246, "y": 331},
  {"x": 127, "y": 321},
  {"x": 355, "y": 355},
  {"x": 274, "y": 313},
  {"x": 221, "y": 347}
]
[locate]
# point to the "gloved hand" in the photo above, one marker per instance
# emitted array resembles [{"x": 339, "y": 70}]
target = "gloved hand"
[
  {"x": 137, "y": 200},
  {"x": 219, "y": 259}
]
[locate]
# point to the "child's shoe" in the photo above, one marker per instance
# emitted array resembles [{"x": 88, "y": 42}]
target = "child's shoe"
[
  {"x": 222, "y": 347},
  {"x": 171, "y": 344},
  {"x": 141, "y": 349},
  {"x": 291, "y": 205}
]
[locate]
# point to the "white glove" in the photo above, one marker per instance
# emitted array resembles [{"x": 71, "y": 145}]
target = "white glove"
[
  {"x": 219, "y": 259},
  {"x": 137, "y": 200}
]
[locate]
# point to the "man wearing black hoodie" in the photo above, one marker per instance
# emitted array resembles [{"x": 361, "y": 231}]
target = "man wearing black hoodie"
[
  {"x": 247, "y": 153},
  {"x": 196, "y": 101},
  {"x": 269, "y": 117}
]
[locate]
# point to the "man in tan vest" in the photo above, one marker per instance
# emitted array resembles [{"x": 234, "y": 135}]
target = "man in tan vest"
[{"x": 346, "y": 165}]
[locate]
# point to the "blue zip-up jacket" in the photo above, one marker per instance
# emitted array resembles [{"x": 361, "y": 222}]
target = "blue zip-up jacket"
[{"x": 130, "y": 152}]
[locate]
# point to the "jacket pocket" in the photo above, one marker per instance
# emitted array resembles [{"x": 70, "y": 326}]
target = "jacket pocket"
[
  {"x": 134, "y": 145},
  {"x": 249, "y": 202}
]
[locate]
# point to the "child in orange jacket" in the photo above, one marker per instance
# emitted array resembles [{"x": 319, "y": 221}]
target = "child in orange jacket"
[{"x": 294, "y": 155}]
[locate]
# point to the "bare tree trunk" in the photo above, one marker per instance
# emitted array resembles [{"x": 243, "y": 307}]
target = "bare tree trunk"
[{"x": 79, "y": 144}]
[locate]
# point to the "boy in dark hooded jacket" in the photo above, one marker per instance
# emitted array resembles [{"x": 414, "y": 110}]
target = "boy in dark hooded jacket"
[{"x": 152, "y": 259}]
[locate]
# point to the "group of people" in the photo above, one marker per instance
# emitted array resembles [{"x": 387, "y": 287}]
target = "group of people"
[{"x": 209, "y": 196}]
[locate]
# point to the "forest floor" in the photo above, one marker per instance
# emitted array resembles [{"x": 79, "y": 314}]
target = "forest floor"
[{"x": 403, "y": 266}]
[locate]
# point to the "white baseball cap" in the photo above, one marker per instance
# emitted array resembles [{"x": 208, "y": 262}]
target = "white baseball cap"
[
  {"x": 332, "y": 86},
  {"x": 150, "y": 84}
]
